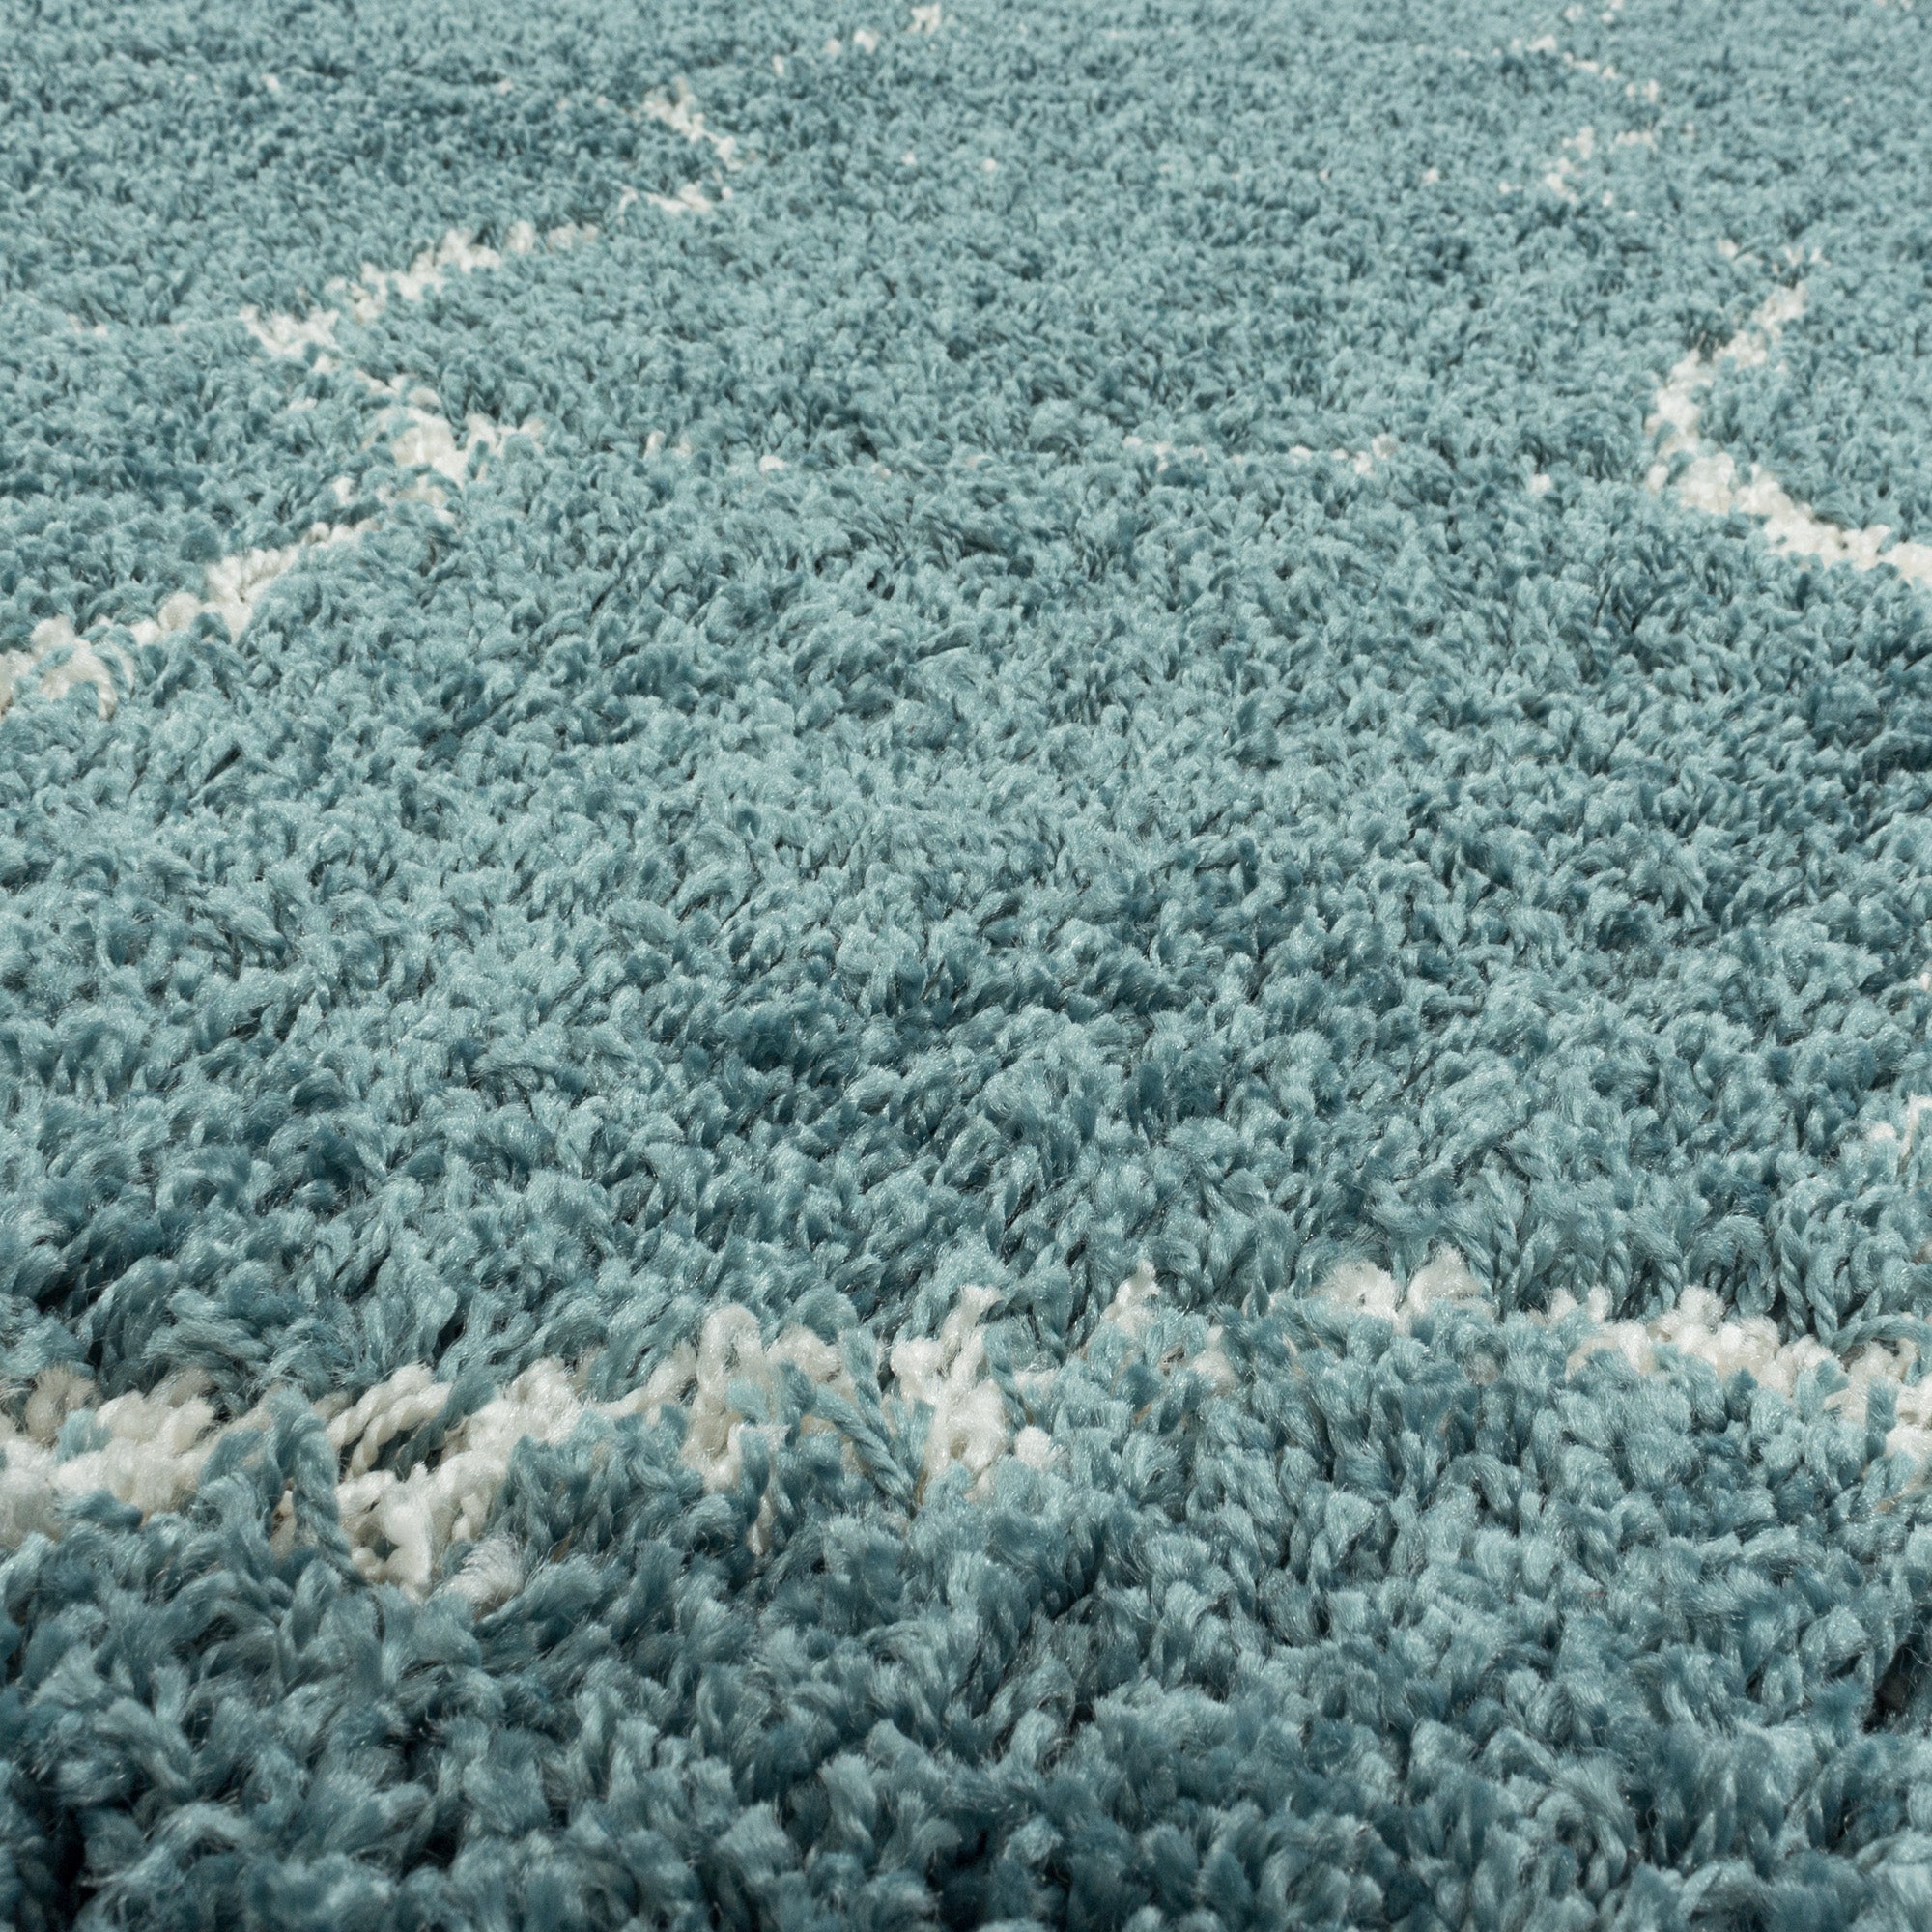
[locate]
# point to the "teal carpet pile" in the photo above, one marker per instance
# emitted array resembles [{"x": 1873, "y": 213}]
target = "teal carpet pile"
[{"x": 965, "y": 966}]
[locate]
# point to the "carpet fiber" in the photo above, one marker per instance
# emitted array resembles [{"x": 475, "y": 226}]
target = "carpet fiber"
[{"x": 965, "y": 965}]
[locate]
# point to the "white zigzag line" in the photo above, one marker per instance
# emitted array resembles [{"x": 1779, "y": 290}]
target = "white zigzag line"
[
  {"x": 1708, "y": 479},
  {"x": 57, "y": 659},
  {"x": 459, "y": 252},
  {"x": 149, "y": 1451}
]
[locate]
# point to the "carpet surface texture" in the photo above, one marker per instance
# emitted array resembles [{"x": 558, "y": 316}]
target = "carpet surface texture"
[{"x": 966, "y": 966}]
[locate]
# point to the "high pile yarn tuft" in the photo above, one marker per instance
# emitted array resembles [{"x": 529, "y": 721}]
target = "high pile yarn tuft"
[{"x": 965, "y": 966}]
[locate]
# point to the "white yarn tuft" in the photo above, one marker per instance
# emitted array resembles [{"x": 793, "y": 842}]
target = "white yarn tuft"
[
  {"x": 425, "y": 439},
  {"x": 678, "y": 111},
  {"x": 949, "y": 1374},
  {"x": 59, "y": 660}
]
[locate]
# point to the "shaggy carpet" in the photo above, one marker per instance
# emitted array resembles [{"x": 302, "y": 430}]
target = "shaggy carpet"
[{"x": 965, "y": 965}]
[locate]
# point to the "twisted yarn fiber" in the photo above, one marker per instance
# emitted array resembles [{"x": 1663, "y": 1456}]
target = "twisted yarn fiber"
[{"x": 964, "y": 966}]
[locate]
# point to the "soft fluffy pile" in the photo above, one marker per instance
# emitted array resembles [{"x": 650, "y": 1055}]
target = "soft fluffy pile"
[{"x": 964, "y": 965}]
